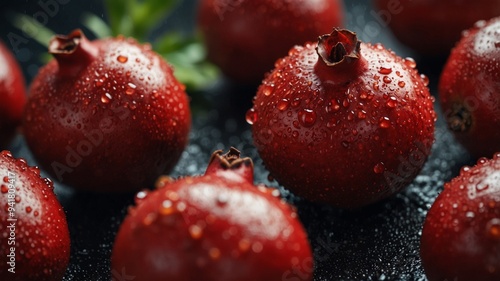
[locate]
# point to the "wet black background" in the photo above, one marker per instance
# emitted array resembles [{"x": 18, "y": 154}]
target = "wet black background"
[{"x": 380, "y": 242}]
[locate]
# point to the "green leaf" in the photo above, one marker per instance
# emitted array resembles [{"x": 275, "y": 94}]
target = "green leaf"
[
  {"x": 97, "y": 25},
  {"x": 32, "y": 28}
]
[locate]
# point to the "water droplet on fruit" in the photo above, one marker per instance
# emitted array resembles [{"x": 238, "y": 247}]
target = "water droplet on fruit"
[
  {"x": 385, "y": 70},
  {"x": 493, "y": 228},
  {"x": 401, "y": 84},
  {"x": 195, "y": 231},
  {"x": 251, "y": 116},
  {"x": 384, "y": 122},
  {"x": 267, "y": 90},
  {"x": 283, "y": 104},
  {"x": 214, "y": 253},
  {"x": 130, "y": 89},
  {"x": 392, "y": 102},
  {"x": 167, "y": 208},
  {"x": 4, "y": 188},
  {"x": 28, "y": 209},
  {"x": 387, "y": 79},
  {"x": 425, "y": 79},
  {"x": 36, "y": 213},
  {"x": 361, "y": 114},
  {"x": 106, "y": 98},
  {"x": 149, "y": 219},
  {"x": 307, "y": 117},
  {"x": 410, "y": 62},
  {"x": 470, "y": 215},
  {"x": 122, "y": 59},
  {"x": 379, "y": 168}
]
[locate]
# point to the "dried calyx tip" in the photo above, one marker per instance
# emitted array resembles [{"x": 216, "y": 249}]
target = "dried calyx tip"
[
  {"x": 338, "y": 46},
  {"x": 231, "y": 158},
  {"x": 61, "y": 44}
]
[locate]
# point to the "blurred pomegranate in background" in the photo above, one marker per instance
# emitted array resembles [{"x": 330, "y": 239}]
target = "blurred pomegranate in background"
[
  {"x": 432, "y": 27},
  {"x": 244, "y": 38}
]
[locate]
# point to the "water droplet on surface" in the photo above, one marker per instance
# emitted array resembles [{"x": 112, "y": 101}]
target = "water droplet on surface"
[
  {"x": 283, "y": 104},
  {"x": 387, "y": 79},
  {"x": 122, "y": 59},
  {"x": 410, "y": 62},
  {"x": 267, "y": 90},
  {"x": 379, "y": 168},
  {"x": 251, "y": 116},
  {"x": 130, "y": 89},
  {"x": 4, "y": 188},
  {"x": 385, "y": 70},
  {"x": 384, "y": 123},
  {"x": 196, "y": 232},
  {"x": 493, "y": 228},
  {"x": 28, "y": 209},
  {"x": 425, "y": 79},
  {"x": 307, "y": 117},
  {"x": 392, "y": 102},
  {"x": 106, "y": 98},
  {"x": 167, "y": 208},
  {"x": 401, "y": 84}
]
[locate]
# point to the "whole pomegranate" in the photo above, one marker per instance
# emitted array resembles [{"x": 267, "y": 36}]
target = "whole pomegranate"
[
  {"x": 106, "y": 115},
  {"x": 244, "y": 38},
  {"x": 461, "y": 234},
  {"x": 432, "y": 27},
  {"x": 469, "y": 89},
  {"x": 34, "y": 236},
  {"x": 343, "y": 122},
  {"x": 12, "y": 94},
  {"x": 218, "y": 226}
]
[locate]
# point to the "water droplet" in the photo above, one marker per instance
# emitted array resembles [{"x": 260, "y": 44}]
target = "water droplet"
[
  {"x": 251, "y": 116},
  {"x": 401, "y": 84},
  {"x": 28, "y": 209},
  {"x": 379, "y": 168},
  {"x": 384, "y": 122},
  {"x": 167, "y": 208},
  {"x": 36, "y": 213},
  {"x": 106, "y": 98},
  {"x": 392, "y": 102},
  {"x": 214, "y": 253},
  {"x": 283, "y": 104},
  {"x": 493, "y": 228},
  {"x": 425, "y": 79},
  {"x": 149, "y": 219},
  {"x": 4, "y": 188},
  {"x": 130, "y": 89},
  {"x": 195, "y": 231},
  {"x": 99, "y": 82},
  {"x": 361, "y": 114},
  {"x": 122, "y": 59},
  {"x": 387, "y": 79},
  {"x": 267, "y": 90},
  {"x": 307, "y": 117},
  {"x": 470, "y": 215},
  {"x": 410, "y": 62},
  {"x": 385, "y": 70}
]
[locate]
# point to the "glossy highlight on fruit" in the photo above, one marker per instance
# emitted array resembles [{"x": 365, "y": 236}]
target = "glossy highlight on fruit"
[
  {"x": 244, "y": 38},
  {"x": 433, "y": 27},
  {"x": 12, "y": 94},
  {"x": 469, "y": 89},
  {"x": 461, "y": 234},
  {"x": 34, "y": 236},
  {"x": 106, "y": 115},
  {"x": 343, "y": 122},
  {"x": 214, "y": 227}
]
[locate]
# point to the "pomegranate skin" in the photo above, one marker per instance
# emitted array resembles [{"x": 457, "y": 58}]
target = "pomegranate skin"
[
  {"x": 433, "y": 27},
  {"x": 245, "y": 38},
  {"x": 12, "y": 94},
  {"x": 469, "y": 89},
  {"x": 350, "y": 133},
  {"x": 112, "y": 115}
]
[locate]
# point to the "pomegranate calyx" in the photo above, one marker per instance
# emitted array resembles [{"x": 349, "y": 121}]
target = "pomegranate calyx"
[
  {"x": 460, "y": 118},
  {"x": 230, "y": 162},
  {"x": 73, "y": 52},
  {"x": 339, "y": 46}
]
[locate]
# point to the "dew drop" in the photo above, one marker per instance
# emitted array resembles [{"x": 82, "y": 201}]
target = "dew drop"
[
  {"x": 36, "y": 213},
  {"x": 267, "y": 90},
  {"x": 410, "y": 62},
  {"x": 283, "y": 104},
  {"x": 307, "y": 117},
  {"x": 130, "y": 89},
  {"x": 401, "y": 84},
  {"x": 106, "y": 98},
  {"x": 251, "y": 116},
  {"x": 122, "y": 59},
  {"x": 379, "y": 168},
  {"x": 167, "y": 208},
  {"x": 493, "y": 228},
  {"x": 387, "y": 79},
  {"x": 392, "y": 102},
  {"x": 28, "y": 209},
  {"x": 384, "y": 123},
  {"x": 195, "y": 231},
  {"x": 425, "y": 79},
  {"x": 385, "y": 70},
  {"x": 4, "y": 188}
]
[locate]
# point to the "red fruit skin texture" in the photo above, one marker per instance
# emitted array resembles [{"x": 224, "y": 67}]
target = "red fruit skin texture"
[
  {"x": 245, "y": 38},
  {"x": 433, "y": 27},
  {"x": 349, "y": 134},
  {"x": 41, "y": 238},
  {"x": 461, "y": 234},
  {"x": 469, "y": 89},
  {"x": 215, "y": 227},
  {"x": 12, "y": 94},
  {"x": 112, "y": 116}
]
